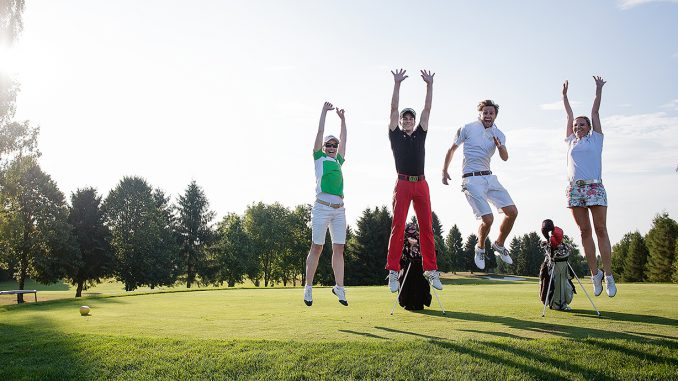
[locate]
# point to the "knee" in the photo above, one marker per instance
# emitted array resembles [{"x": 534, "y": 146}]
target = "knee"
[
  {"x": 511, "y": 212},
  {"x": 488, "y": 219},
  {"x": 601, "y": 230},
  {"x": 585, "y": 232},
  {"x": 316, "y": 249}
]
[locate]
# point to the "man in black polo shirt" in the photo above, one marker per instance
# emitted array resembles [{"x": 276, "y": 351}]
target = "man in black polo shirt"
[{"x": 407, "y": 143}]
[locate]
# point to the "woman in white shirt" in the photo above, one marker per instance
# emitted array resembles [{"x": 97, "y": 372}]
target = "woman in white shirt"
[{"x": 585, "y": 191}]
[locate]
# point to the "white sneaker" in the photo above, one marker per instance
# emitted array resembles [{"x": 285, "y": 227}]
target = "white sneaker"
[
  {"x": 433, "y": 277},
  {"x": 393, "y": 284},
  {"x": 339, "y": 292},
  {"x": 597, "y": 283},
  {"x": 308, "y": 295},
  {"x": 503, "y": 253},
  {"x": 610, "y": 287},
  {"x": 479, "y": 258}
]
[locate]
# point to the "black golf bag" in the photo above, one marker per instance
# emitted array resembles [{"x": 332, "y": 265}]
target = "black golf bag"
[
  {"x": 555, "y": 275},
  {"x": 415, "y": 292}
]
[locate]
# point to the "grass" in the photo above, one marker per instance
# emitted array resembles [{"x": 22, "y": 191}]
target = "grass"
[{"x": 492, "y": 330}]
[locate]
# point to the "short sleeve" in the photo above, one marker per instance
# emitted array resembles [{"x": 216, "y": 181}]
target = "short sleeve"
[
  {"x": 318, "y": 154},
  {"x": 460, "y": 136}
]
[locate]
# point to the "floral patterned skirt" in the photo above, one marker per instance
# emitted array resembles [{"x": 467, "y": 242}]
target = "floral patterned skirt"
[{"x": 586, "y": 195}]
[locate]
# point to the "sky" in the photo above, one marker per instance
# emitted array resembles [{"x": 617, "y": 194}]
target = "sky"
[{"x": 229, "y": 93}]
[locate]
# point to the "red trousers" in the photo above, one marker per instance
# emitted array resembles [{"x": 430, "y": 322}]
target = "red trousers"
[{"x": 406, "y": 192}]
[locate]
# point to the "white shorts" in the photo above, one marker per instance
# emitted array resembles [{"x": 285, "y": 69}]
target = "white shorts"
[
  {"x": 480, "y": 189},
  {"x": 322, "y": 217}
]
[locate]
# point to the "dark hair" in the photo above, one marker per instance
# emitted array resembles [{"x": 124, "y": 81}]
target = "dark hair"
[
  {"x": 586, "y": 118},
  {"x": 490, "y": 103}
]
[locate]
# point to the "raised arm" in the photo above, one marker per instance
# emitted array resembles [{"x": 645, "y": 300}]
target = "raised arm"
[
  {"x": 448, "y": 160},
  {"x": 398, "y": 77},
  {"x": 427, "y": 76},
  {"x": 342, "y": 133},
  {"x": 595, "y": 115},
  {"x": 321, "y": 127},
  {"x": 568, "y": 110}
]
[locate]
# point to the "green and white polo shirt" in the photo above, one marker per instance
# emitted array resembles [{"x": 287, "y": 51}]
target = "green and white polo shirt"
[{"x": 328, "y": 175}]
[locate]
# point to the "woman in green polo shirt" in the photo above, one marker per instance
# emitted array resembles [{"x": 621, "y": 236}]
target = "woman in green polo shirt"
[{"x": 328, "y": 209}]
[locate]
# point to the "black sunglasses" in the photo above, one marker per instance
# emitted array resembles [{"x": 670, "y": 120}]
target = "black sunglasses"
[{"x": 331, "y": 145}]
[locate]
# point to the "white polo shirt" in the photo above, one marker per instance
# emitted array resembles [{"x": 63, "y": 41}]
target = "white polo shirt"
[
  {"x": 584, "y": 157},
  {"x": 478, "y": 145}
]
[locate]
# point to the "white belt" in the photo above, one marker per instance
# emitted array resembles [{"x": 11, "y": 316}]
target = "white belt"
[{"x": 586, "y": 182}]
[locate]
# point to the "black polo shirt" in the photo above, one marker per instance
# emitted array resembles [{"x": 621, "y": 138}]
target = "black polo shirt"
[{"x": 408, "y": 150}]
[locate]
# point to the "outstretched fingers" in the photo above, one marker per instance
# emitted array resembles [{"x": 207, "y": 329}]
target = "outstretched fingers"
[
  {"x": 599, "y": 81},
  {"x": 427, "y": 76},
  {"x": 340, "y": 112},
  {"x": 399, "y": 75}
]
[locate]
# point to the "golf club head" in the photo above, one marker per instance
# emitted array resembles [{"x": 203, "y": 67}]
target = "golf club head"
[{"x": 546, "y": 228}]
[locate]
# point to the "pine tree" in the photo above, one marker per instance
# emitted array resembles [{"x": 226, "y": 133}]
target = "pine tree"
[
  {"x": 620, "y": 251},
  {"x": 469, "y": 253},
  {"x": 636, "y": 258},
  {"x": 490, "y": 257},
  {"x": 455, "y": 248},
  {"x": 661, "y": 242},
  {"x": 442, "y": 256},
  {"x": 368, "y": 248}
]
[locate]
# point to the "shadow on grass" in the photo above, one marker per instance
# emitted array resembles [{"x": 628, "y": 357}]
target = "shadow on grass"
[
  {"x": 365, "y": 334},
  {"x": 568, "y": 331}
]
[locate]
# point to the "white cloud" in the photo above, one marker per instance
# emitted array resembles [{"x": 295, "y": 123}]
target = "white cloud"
[
  {"x": 556, "y": 106},
  {"x": 672, "y": 105},
  {"x": 628, "y": 4}
]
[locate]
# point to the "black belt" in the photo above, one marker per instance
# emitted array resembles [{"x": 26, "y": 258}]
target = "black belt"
[
  {"x": 479, "y": 173},
  {"x": 413, "y": 179}
]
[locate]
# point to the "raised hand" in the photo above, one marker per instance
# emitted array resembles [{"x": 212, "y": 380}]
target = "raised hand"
[
  {"x": 340, "y": 112},
  {"x": 427, "y": 76},
  {"x": 399, "y": 75},
  {"x": 599, "y": 81},
  {"x": 565, "y": 86},
  {"x": 328, "y": 107}
]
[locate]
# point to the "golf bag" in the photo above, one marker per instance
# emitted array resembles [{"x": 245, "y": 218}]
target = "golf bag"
[
  {"x": 415, "y": 292},
  {"x": 555, "y": 275}
]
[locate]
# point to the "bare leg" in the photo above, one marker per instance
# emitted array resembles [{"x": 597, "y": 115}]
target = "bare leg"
[
  {"x": 312, "y": 262},
  {"x": 581, "y": 218},
  {"x": 510, "y": 215},
  {"x": 599, "y": 214},
  {"x": 337, "y": 264},
  {"x": 484, "y": 229}
]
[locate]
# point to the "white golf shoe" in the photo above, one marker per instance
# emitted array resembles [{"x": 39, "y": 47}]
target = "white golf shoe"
[
  {"x": 597, "y": 281},
  {"x": 308, "y": 295},
  {"x": 340, "y": 293},
  {"x": 393, "y": 284},
  {"x": 503, "y": 253},
  {"x": 479, "y": 258},
  {"x": 610, "y": 287},
  {"x": 433, "y": 277}
]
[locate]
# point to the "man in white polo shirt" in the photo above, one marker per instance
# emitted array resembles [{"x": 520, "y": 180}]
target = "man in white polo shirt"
[
  {"x": 328, "y": 210},
  {"x": 481, "y": 139}
]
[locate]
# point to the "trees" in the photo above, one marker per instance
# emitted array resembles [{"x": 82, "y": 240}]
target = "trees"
[
  {"x": 194, "y": 230},
  {"x": 619, "y": 253},
  {"x": 92, "y": 238},
  {"x": 141, "y": 227},
  {"x": 35, "y": 236},
  {"x": 231, "y": 253},
  {"x": 442, "y": 256},
  {"x": 661, "y": 242},
  {"x": 490, "y": 257},
  {"x": 455, "y": 248},
  {"x": 636, "y": 258},
  {"x": 366, "y": 251},
  {"x": 469, "y": 253},
  {"x": 267, "y": 228}
]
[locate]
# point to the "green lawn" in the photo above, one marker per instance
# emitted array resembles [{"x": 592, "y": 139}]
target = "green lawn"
[{"x": 492, "y": 330}]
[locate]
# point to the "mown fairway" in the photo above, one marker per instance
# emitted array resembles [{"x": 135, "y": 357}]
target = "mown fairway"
[{"x": 492, "y": 330}]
